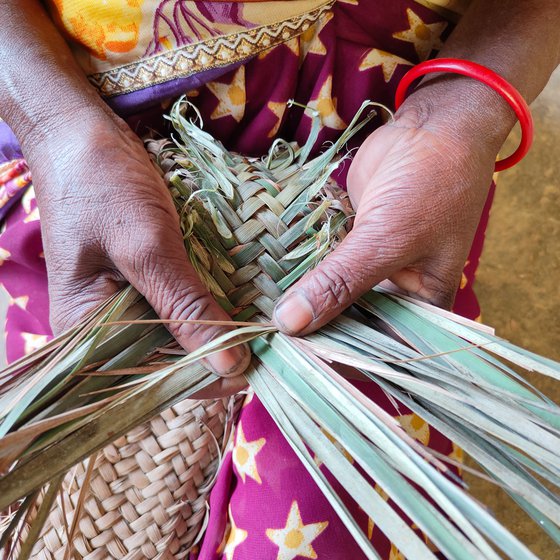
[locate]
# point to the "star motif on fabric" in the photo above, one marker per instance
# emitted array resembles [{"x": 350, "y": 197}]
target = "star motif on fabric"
[
  {"x": 395, "y": 553},
  {"x": 457, "y": 455},
  {"x": 464, "y": 279},
  {"x": 326, "y": 106},
  {"x": 424, "y": 36},
  {"x": 370, "y": 526},
  {"x": 229, "y": 446},
  {"x": 249, "y": 398},
  {"x": 296, "y": 538},
  {"x": 278, "y": 110},
  {"x": 4, "y": 256},
  {"x": 33, "y": 342},
  {"x": 415, "y": 427},
  {"x": 263, "y": 54},
  {"x": 224, "y": 540},
  {"x": 310, "y": 41},
  {"x": 428, "y": 542},
  {"x": 245, "y": 455},
  {"x": 231, "y": 97},
  {"x": 235, "y": 538},
  {"x": 387, "y": 61},
  {"x": 33, "y": 216},
  {"x": 292, "y": 44},
  {"x": 21, "y": 301}
]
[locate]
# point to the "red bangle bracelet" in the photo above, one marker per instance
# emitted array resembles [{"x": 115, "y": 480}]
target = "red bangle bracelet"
[{"x": 488, "y": 77}]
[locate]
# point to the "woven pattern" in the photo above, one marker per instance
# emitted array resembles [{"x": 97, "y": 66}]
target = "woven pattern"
[
  {"x": 250, "y": 247},
  {"x": 147, "y": 497}
]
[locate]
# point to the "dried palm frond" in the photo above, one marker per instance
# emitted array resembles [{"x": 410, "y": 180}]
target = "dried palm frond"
[{"x": 252, "y": 227}]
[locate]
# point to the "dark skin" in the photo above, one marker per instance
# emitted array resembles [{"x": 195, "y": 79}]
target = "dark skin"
[{"x": 418, "y": 184}]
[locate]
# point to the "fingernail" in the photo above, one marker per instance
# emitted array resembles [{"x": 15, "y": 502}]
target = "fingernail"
[
  {"x": 230, "y": 362},
  {"x": 294, "y": 313}
]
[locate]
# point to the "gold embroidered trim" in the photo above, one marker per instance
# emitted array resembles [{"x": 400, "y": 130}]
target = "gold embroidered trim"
[{"x": 205, "y": 55}]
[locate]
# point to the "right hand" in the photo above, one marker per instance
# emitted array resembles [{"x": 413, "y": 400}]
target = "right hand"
[{"x": 107, "y": 218}]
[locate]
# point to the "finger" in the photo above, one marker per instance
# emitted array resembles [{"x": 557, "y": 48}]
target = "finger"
[
  {"x": 430, "y": 282},
  {"x": 158, "y": 267},
  {"x": 357, "y": 264},
  {"x": 223, "y": 387}
]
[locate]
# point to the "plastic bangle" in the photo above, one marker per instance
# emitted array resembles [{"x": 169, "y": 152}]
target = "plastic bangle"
[{"x": 491, "y": 79}]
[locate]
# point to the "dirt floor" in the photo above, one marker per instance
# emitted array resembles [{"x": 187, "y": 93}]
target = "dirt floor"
[{"x": 519, "y": 277}]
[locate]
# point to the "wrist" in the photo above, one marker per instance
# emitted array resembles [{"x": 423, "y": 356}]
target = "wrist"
[
  {"x": 61, "y": 145},
  {"x": 462, "y": 109},
  {"x": 36, "y": 118}
]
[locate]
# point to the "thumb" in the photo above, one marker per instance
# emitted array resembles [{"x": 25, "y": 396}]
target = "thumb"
[
  {"x": 160, "y": 270},
  {"x": 355, "y": 266}
]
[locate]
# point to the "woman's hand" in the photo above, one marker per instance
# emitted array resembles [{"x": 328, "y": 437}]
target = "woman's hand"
[
  {"x": 106, "y": 215},
  {"x": 418, "y": 185},
  {"x": 107, "y": 219}
]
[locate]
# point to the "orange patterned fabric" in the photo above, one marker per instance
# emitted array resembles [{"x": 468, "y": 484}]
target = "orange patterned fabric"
[{"x": 183, "y": 36}]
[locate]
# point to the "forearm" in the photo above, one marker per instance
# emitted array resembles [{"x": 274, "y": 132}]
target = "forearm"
[
  {"x": 519, "y": 39},
  {"x": 41, "y": 84}
]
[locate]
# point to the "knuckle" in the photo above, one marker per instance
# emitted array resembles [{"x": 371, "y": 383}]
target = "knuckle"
[
  {"x": 142, "y": 245},
  {"x": 139, "y": 252},
  {"x": 188, "y": 303},
  {"x": 413, "y": 116},
  {"x": 192, "y": 305},
  {"x": 331, "y": 287},
  {"x": 441, "y": 289}
]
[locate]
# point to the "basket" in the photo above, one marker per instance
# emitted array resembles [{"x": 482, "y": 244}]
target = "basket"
[{"x": 148, "y": 494}]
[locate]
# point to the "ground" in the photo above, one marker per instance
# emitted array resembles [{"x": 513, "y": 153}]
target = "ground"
[{"x": 519, "y": 276}]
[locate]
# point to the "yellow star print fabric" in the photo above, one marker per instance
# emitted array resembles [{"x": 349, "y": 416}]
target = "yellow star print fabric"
[
  {"x": 245, "y": 456},
  {"x": 296, "y": 538}
]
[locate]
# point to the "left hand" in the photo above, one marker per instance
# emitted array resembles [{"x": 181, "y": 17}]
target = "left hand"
[{"x": 418, "y": 186}]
